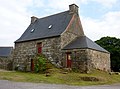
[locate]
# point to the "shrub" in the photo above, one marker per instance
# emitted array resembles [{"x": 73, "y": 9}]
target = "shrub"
[{"x": 40, "y": 64}]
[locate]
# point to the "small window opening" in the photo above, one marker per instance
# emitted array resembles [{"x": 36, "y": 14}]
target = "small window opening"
[
  {"x": 50, "y": 26},
  {"x": 39, "y": 48}
]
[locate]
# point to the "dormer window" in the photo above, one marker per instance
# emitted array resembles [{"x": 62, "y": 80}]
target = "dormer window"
[
  {"x": 50, "y": 26},
  {"x": 32, "y": 30}
]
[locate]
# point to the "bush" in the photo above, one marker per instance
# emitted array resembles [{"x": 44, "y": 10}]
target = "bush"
[{"x": 40, "y": 64}]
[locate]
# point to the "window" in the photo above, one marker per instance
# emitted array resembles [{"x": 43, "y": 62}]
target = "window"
[
  {"x": 50, "y": 26},
  {"x": 39, "y": 48},
  {"x": 32, "y": 30}
]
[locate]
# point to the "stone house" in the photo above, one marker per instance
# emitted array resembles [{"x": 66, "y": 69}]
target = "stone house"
[
  {"x": 60, "y": 37},
  {"x": 6, "y": 58}
]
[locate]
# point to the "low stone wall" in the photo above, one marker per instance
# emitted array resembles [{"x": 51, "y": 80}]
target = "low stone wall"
[{"x": 5, "y": 63}]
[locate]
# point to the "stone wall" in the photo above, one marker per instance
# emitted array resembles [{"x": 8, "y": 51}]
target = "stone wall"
[
  {"x": 85, "y": 60},
  {"x": 99, "y": 60},
  {"x": 78, "y": 57},
  {"x": 25, "y": 51},
  {"x": 6, "y": 62},
  {"x": 73, "y": 30}
]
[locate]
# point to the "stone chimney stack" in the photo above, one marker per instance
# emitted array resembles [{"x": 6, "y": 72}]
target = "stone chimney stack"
[
  {"x": 73, "y": 8},
  {"x": 33, "y": 19}
]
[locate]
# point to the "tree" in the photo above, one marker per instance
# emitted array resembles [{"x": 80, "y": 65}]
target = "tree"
[{"x": 112, "y": 45}]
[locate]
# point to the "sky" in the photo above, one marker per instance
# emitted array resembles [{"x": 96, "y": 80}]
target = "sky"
[{"x": 99, "y": 18}]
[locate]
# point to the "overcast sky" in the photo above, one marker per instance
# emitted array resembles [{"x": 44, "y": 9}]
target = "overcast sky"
[{"x": 99, "y": 17}]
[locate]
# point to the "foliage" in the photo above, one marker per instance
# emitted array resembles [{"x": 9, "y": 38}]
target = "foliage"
[
  {"x": 40, "y": 63},
  {"x": 112, "y": 44}
]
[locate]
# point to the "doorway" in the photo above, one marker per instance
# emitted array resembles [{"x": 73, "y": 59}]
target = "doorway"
[
  {"x": 32, "y": 65},
  {"x": 68, "y": 60}
]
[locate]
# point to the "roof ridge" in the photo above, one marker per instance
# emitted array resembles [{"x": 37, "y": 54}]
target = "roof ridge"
[
  {"x": 86, "y": 40},
  {"x": 71, "y": 41},
  {"x": 53, "y": 14}
]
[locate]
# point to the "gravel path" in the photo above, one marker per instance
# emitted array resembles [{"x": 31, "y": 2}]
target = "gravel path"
[{"x": 5, "y": 84}]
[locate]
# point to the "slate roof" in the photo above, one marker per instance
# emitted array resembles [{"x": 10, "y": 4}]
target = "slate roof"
[
  {"x": 5, "y": 51},
  {"x": 84, "y": 42},
  {"x": 41, "y": 30}
]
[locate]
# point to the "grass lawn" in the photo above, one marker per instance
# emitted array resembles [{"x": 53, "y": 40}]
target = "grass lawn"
[{"x": 57, "y": 77}]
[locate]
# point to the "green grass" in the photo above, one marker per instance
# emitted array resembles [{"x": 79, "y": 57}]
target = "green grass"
[{"x": 57, "y": 77}]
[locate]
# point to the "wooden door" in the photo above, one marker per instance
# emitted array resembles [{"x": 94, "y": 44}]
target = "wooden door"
[
  {"x": 69, "y": 61},
  {"x": 32, "y": 65}
]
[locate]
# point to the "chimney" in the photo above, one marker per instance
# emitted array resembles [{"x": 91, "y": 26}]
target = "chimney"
[
  {"x": 33, "y": 19},
  {"x": 73, "y": 8}
]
